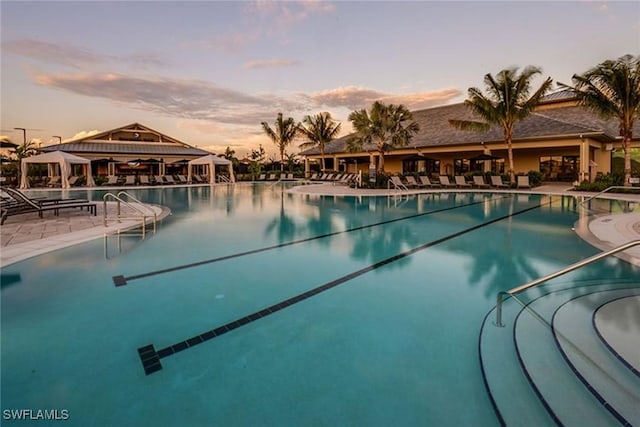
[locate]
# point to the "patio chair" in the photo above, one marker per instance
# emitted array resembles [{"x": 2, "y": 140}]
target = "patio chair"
[
  {"x": 395, "y": 181},
  {"x": 168, "y": 179},
  {"x": 130, "y": 180},
  {"x": 24, "y": 204},
  {"x": 496, "y": 181},
  {"x": 158, "y": 180},
  {"x": 144, "y": 180},
  {"x": 411, "y": 182},
  {"x": 272, "y": 177},
  {"x": 55, "y": 182},
  {"x": 181, "y": 179},
  {"x": 73, "y": 180},
  {"x": 478, "y": 181},
  {"x": 427, "y": 182},
  {"x": 460, "y": 182},
  {"x": 523, "y": 181},
  {"x": 262, "y": 177},
  {"x": 444, "y": 181},
  {"x": 111, "y": 180}
]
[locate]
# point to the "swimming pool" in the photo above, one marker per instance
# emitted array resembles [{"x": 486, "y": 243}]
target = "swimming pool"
[{"x": 375, "y": 306}]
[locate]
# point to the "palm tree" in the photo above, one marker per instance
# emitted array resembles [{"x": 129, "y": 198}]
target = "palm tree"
[
  {"x": 507, "y": 102},
  {"x": 285, "y": 131},
  {"x": 27, "y": 149},
  {"x": 612, "y": 89},
  {"x": 387, "y": 126},
  {"x": 320, "y": 130}
]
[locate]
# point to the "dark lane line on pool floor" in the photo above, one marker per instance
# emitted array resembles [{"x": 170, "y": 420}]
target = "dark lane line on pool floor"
[
  {"x": 122, "y": 280},
  {"x": 150, "y": 358}
]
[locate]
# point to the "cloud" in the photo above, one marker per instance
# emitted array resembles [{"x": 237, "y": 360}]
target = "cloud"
[
  {"x": 52, "y": 52},
  {"x": 191, "y": 99},
  {"x": 84, "y": 134},
  {"x": 286, "y": 13},
  {"x": 79, "y": 57},
  {"x": 270, "y": 63},
  {"x": 355, "y": 97}
]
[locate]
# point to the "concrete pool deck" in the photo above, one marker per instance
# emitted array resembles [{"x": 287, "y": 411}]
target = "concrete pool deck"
[{"x": 25, "y": 236}]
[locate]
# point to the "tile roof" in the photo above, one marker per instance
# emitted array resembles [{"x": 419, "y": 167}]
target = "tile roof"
[
  {"x": 435, "y": 130},
  {"x": 127, "y": 148}
]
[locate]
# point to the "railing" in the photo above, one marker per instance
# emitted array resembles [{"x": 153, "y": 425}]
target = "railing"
[
  {"x": 143, "y": 212},
  {"x": 568, "y": 269},
  {"x": 613, "y": 187}
]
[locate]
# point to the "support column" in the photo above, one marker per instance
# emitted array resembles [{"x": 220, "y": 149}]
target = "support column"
[
  {"x": 306, "y": 167},
  {"x": 584, "y": 161}
]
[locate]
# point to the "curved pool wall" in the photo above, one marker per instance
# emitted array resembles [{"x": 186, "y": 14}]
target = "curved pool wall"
[{"x": 394, "y": 342}]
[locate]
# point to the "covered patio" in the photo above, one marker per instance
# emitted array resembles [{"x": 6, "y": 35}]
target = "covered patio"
[{"x": 59, "y": 164}]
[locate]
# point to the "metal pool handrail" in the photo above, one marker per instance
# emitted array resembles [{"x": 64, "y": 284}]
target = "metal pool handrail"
[
  {"x": 577, "y": 265},
  {"x": 142, "y": 214},
  {"x": 613, "y": 187}
]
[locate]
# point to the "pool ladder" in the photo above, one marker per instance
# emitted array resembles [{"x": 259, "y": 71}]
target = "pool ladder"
[{"x": 140, "y": 210}]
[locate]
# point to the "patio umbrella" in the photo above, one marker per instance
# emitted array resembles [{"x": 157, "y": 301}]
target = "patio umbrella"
[
  {"x": 484, "y": 156},
  {"x": 7, "y": 144},
  {"x": 418, "y": 157}
]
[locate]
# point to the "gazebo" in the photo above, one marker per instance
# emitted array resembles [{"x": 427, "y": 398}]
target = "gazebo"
[
  {"x": 64, "y": 160},
  {"x": 212, "y": 161}
]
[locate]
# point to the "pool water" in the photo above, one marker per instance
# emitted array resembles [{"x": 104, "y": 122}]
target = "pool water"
[{"x": 390, "y": 337}]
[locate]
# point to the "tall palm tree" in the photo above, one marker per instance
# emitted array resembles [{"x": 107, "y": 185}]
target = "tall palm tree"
[
  {"x": 507, "y": 102},
  {"x": 612, "y": 90},
  {"x": 387, "y": 126},
  {"x": 320, "y": 130},
  {"x": 283, "y": 134},
  {"x": 27, "y": 149}
]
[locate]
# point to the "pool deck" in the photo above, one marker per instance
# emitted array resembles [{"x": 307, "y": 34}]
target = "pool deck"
[{"x": 25, "y": 236}]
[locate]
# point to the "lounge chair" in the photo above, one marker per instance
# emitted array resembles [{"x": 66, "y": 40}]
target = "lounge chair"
[
  {"x": 395, "y": 181},
  {"x": 262, "y": 177},
  {"x": 181, "y": 179},
  {"x": 130, "y": 180},
  {"x": 478, "y": 181},
  {"x": 411, "y": 182},
  {"x": 496, "y": 181},
  {"x": 23, "y": 204},
  {"x": 144, "y": 180},
  {"x": 444, "y": 181},
  {"x": 313, "y": 177},
  {"x": 523, "y": 181},
  {"x": 169, "y": 179},
  {"x": 460, "y": 182},
  {"x": 427, "y": 182},
  {"x": 158, "y": 180},
  {"x": 111, "y": 180},
  {"x": 55, "y": 182},
  {"x": 272, "y": 177},
  {"x": 73, "y": 180}
]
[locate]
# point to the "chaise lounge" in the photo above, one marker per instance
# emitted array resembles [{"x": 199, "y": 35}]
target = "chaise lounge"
[{"x": 23, "y": 204}]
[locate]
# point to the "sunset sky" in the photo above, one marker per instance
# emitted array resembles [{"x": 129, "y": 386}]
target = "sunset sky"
[{"x": 208, "y": 73}]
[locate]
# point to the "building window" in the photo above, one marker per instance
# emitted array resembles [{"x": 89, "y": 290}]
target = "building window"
[
  {"x": 425, "y": 166},
  {"x": 559, "y": 168},
  {"x": 461, "y": 166}
]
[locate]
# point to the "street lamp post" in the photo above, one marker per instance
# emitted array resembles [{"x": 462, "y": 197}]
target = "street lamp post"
[
  {"x": 24, "y": 135},
  {"x": 59, "y": 138}
]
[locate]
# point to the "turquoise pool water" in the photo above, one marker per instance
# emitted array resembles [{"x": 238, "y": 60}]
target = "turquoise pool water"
[{"x": 391, "y": 338}]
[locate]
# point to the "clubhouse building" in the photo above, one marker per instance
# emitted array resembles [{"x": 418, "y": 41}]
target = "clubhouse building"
[
  {"x": 562, "y": 140},
  {"x": 133, "y": 149}
]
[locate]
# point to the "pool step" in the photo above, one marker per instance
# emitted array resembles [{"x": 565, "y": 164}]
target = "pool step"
[
  {"x": 566, "y": 397},
  {"x": 528, "y": 376},
  {"x": 503, "y": 375},
  {"x": 610, "y": 380}
]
